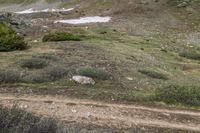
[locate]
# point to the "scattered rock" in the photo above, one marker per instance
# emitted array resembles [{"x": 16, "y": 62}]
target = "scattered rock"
[
  {"x": 74, "y": 111},
  {"x": 83, "y": 80},
  {"x": 23, "y": 106},
  {"x": 12, "y": 20},
  {"x": 129, "y": 78},
  {"x": 166, "y": 114},
  {"x": 88, "y": 115},
  {"x": 36, "y": 41},
  {"x": 46, "y": 27}
]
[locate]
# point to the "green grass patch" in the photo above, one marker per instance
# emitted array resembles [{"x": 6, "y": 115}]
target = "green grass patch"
[
  {"x": 189, "y": 95},
  {"x": 60, "y": 36},
  {"x": 34, "y": 63},
  {"x": 190, "y": 54},
  {"x": 10, "y": 40},
  {"x": 154, "y": 74}
]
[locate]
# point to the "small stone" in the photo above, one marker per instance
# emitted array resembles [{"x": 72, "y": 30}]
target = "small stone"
[
  {"x": 130, "y": 78},
  {"x": 74, "y": 111},
  {"x": 166, "y": 114},
  {"x": 88, "y": 115}
]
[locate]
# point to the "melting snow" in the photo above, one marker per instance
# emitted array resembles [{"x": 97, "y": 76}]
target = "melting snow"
[
  {"x": 31, "y": 10},
  {"x": 84, "y": 20}
]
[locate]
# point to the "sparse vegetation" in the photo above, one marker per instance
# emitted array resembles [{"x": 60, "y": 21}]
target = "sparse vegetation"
[
  {"x": 189, "y": 95},
  {"x": 15, "y": 120},
  {"x": 94, "y": 73},
  {"x": 10, "y": 40},
  {"x": 10, "y": 76},
  {"x": 190, "y": 54},
  {"x": 47, "y": 75},
  {"x": 154, "y": 74},
  {"x": 180, "y": 3},
  {"x": 34, "y": 63},
  {"x": 60, "y": 36}
]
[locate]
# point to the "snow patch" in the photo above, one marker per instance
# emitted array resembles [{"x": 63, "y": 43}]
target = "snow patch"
[
  {"x": 85, "y": 20},
  {"x": 31, "y": 10}
]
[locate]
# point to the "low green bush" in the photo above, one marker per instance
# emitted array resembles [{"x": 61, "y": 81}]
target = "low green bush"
[
  {"x": 190, "y": 54},
  {"x": 15, "y": 120},
  {"x": 10, "y": 40},
  {"x": 153, "y": 74},
  {"x": 189, "y": 95},
  {"x": 95, "y": 73},
  {"x": 10, "y": 76},
  {"x": 34, "y": 63},
  {"x": 60, "y": 36}
]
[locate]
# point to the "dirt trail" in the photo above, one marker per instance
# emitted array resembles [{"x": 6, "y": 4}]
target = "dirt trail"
[{"x": 104, "y": 114}]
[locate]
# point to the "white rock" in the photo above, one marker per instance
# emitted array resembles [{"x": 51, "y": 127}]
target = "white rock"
[
  {"x": 129, "y": 78},
  {"x": 45, "y": 26},
  {"x": 35, "y": 41},
  {"x": 74, "y": 111},
  {"x": 83, "y": 80},
  {"x": 23, "y": 106}
]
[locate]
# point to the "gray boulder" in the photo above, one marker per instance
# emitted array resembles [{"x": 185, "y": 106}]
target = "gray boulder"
[{"x": 83, "y": 80}]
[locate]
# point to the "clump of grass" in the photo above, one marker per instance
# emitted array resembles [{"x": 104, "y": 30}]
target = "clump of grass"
[
  {"x": 10, "y": 40},
  {"x": 189, "y": 95},
  {"x": 46, "y": 56},
  {"x": 95, "y": 73},
  {"x": 163, "y": 50},
  {"x": 47, "y": 75},
  {"x": 60, "y": 36},
  {"x": 10, "y": 76},
  {"x": 15, "y": 120},
  {"x": 154, "y": 74},
  {"x": 180, "y": 3},
  {"x": 190, "y": 54},
  {"x": 34, "y": 63}
]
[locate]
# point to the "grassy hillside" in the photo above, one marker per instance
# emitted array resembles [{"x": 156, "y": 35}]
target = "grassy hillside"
[{"x": 147, "y": 47}]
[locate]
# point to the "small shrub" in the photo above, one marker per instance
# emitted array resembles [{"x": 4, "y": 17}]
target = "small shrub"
[
  {"x": 94, "y": 73},
  {"x": 10, "y": 76},
  {"x": 60, "y": 36},
  {"x": 190, "y": 54},
  {"x": 163, "y": 50},
  {"x": 154, "y": 74},
  {"x": 34, "y": 63},
  {"x": 47, "y": 75},
  {"x": 189, "y": 95},
  {"x": 15, "y": 120},
  {"x": 10, "y": 40}
]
